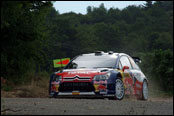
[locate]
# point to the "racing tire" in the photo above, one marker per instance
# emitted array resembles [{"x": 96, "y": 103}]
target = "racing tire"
[
  {"x": 119, "y": 89},
  {"x": 145, "y": 90}
]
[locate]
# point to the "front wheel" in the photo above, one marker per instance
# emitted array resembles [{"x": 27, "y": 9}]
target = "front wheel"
[
  {"x": 119, "y": 89},
  {"x": 145, "y": 91}
]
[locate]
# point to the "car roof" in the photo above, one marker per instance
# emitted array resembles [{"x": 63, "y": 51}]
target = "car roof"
[{"x": 101, "y": 53}]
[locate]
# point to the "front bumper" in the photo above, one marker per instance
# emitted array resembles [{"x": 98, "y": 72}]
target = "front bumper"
[{"x": 102, "y": 88}]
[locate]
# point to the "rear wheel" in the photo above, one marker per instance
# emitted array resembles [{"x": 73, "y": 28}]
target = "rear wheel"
[
  {"x": 145, "y": 90},
  {"x": 119, "y": 89}
]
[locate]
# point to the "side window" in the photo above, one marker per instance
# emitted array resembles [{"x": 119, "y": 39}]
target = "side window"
[
  {"x": 134, "y": 65},
  {"x": 125, "y": 62}
]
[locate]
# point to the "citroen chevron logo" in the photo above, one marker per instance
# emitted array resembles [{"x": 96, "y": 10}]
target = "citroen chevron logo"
[{"x": 76, "y": 77}]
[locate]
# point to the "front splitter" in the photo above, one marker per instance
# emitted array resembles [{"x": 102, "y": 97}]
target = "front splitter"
[
  {"x": 82, "y": 94},
  {"x": 76, "y": 93}
]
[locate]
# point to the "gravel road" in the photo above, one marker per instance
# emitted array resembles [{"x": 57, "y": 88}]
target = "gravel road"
[{"x": 71, "y": 106}]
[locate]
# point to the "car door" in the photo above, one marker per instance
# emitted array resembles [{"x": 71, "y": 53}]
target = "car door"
[
  {"x": 128, "y": 75},
  {"x": 137, "y": 77}
]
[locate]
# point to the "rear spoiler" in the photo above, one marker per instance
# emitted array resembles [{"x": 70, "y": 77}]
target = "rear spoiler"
[{"x": 137, "y": 59}]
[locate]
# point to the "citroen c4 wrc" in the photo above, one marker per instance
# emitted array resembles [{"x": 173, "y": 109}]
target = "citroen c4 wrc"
[{"x": 105, "y": 74}]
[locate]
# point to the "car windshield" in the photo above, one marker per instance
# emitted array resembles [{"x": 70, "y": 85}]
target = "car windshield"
[{"x": 92, "y": 61}]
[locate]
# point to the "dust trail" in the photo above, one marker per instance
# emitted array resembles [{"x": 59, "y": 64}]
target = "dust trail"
[{"x": 156, "y": 92}]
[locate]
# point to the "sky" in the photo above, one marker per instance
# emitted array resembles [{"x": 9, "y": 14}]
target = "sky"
[{"x": 80, "y": 6}]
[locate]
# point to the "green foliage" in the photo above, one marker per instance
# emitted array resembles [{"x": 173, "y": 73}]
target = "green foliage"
[
  {"x": 158, "y": 65},
  {"x": 6, "y": 88},
  {"x": 162, "y": 64},
  {"x": 23, "y": 30}
]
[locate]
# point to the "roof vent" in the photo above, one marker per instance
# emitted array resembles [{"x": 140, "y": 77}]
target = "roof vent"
[
  {"x": 110, "y": 52},
  {"x": 99, "y": 53}
]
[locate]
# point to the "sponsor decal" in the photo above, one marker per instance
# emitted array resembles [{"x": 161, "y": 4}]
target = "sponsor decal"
[
  {"x": 55, "y": 86},
  {"x": 138, "y": 88},
  {"x": 138, "y": 85},
  {"x": 79, "y": 72},
  {"x": 96, "y": 87},
  {"x": 129, "y": 85},
  {"x": 54, "y": 82},
  {"x": 100, "y": 86}
]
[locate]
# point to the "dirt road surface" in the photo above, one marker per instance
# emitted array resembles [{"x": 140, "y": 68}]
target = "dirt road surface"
[{"x": 85, "y": 106}]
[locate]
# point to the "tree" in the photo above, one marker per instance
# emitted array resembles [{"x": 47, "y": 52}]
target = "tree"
[
  {"x": 148, "y": 4},
  {"x": 22, "y": 30},
  {"x": 99, "y": 14},
  {"x": 89, "y": 9}
]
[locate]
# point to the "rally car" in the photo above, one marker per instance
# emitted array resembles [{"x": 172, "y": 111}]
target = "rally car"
[{"x": 105, "y": 74}]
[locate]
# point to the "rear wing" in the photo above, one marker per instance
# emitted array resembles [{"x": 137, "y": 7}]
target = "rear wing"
[{"x": 137, "y": 59}]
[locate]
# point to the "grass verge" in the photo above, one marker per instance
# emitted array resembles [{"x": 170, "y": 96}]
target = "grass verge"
[{"x": 36, "y": 87}]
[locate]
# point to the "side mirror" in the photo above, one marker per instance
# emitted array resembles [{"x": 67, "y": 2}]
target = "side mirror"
[
  {"x": 137, "y": 60},
  {"x": 125, "y": 67}
]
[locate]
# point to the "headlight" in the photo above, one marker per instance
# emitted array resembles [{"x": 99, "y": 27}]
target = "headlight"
[
  {"x": 57, "y": 78},
  {"x": 102, "y": 77}
]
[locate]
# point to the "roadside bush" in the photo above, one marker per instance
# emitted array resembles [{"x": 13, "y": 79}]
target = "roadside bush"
[
  {"x": 158, "y": 65},
  {"x": 162, "y": 64}
]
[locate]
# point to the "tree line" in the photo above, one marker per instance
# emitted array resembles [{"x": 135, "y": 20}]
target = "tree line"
[{"x": 33, "y": 33}]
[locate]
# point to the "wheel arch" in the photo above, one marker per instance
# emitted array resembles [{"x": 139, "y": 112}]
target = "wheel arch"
[{"x": 118, "y": 75}]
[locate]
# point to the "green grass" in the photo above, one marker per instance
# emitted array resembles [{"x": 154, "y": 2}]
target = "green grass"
[{"x": 34, "y": 85}]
